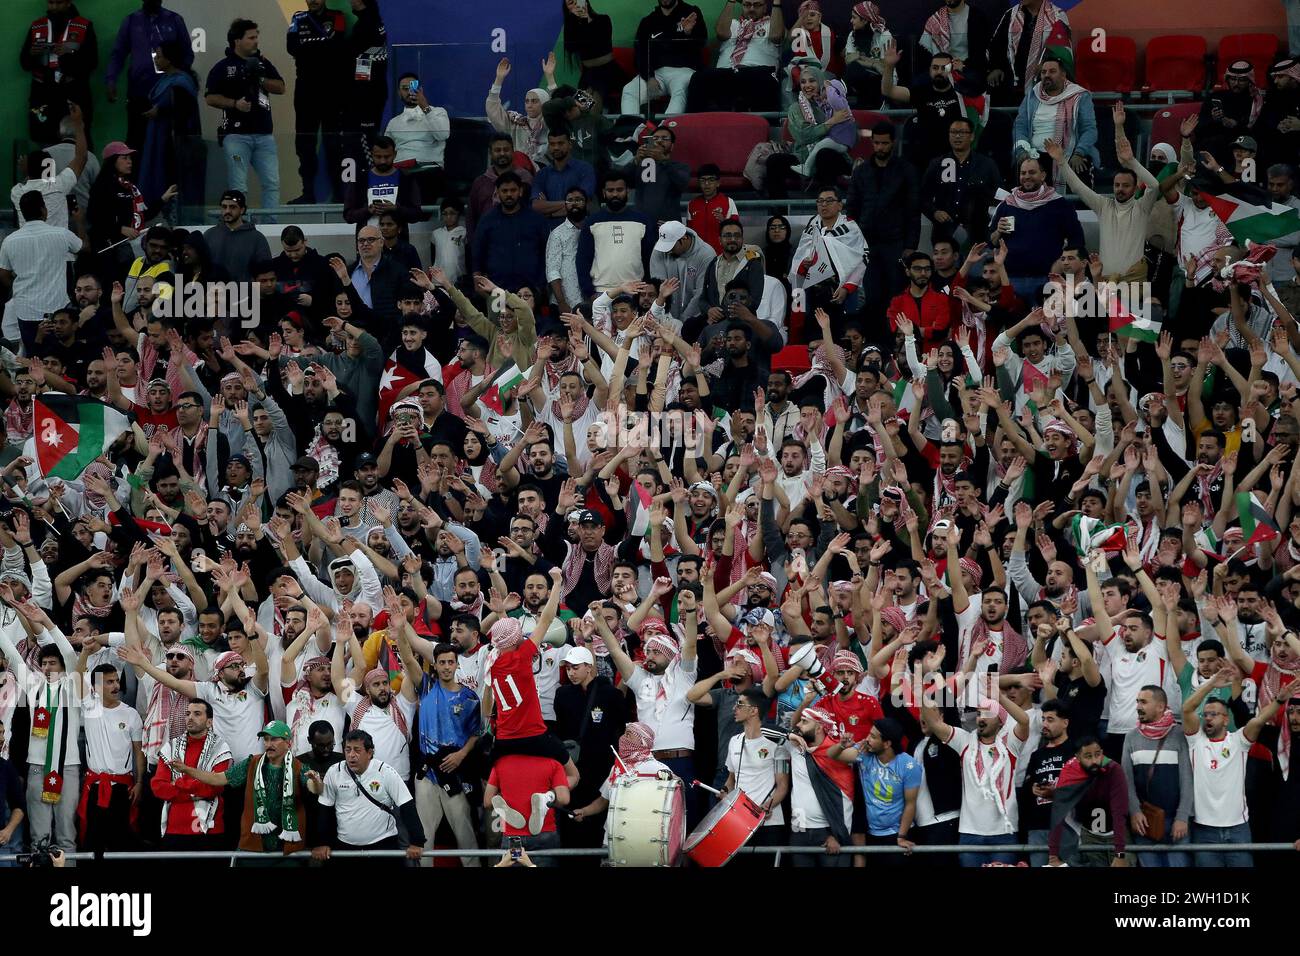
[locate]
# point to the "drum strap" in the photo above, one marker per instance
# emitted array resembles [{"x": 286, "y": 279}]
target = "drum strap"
[{"x": 741, "y": 763}]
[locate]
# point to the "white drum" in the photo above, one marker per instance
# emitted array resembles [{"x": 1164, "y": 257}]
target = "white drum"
[{"x": 647, "y": 821}]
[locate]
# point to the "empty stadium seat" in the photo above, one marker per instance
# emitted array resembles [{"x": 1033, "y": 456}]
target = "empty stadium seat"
[
  {"x": 1114, "y": 71},
  {"x": 625, "y": 57},
  {"x": 722, "y": 138},
  {"x": 1164, "y": 124},
  {"x": 1261, "y": 49},
  {"x": 1175, "y": 63}
]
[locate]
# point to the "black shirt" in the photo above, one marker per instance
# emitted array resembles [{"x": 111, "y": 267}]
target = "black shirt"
[
  {"x": 1085, "y": 703},
  {"x": 601, "y": 705},
  {"x": 240, "y": 78},
  {"x": 1044, "y": 767}
]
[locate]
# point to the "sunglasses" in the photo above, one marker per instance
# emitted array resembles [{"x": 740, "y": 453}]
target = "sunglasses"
[{"x": 176, "y": 657}]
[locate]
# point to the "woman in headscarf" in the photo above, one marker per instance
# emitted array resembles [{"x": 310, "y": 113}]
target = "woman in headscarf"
[
  {"x": 863, "y": 54},
  {"x": 168, "y": 155},
  {"x": 812, "y": 43},
  {"x": 589, "y": 40},
  {"x": 823, "y": 129},
  {"x": 527, "y": 129},
  {"x": 777, "y": 248}
]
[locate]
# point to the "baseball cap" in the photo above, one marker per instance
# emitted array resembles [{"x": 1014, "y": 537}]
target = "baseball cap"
[
  {"x": 766, "y": 618},
  {"x": 305, "y": 464},
  {"x": 365, "y": 459},
  {"x": 669, "y": 233},
  {"x": 578, "y": 655},
  {"x": 236, "y": 196},
  {"x": 116, "y": 148},
  {"x": 1246, "y": 142},
  {"x": 276, "y": 728},
  {"x": 587, "y": 516}
]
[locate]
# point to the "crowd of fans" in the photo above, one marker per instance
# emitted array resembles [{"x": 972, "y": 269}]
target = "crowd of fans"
[{"x": 985, "y": 545}]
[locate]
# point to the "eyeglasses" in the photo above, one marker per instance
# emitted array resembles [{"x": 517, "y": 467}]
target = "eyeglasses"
[
  {"x": 187, "y": 405},
  {"x": 827, "y": 200},
  {"x": 176, "y": 657},
  {"x": 367, "y": 240}
]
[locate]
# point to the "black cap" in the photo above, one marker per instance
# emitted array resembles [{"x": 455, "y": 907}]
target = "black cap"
[
  {"x": 236, "y": 195},
  {"x": 364, "y": 459},
  {"x": 309, "y": 464},
  {"x": 587, "y": 516}
]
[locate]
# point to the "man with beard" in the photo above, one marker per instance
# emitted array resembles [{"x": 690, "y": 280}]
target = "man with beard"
[
  {"x": 562, "y": 249},
  {"x": 735, "y": 262},
  {"x": 384, "y": 189},
  {"x": 386, "y": 716},
  {"x": 1091, "y": 798},
  {"x": 455, "y": 581},
  {"x": 376, "y": 276},
  {"x": 306, "y": 687},
  {"x": 1159, "y": 790},
  {"x": 1042, "y": 771},
  {"x": 741, "y": 372},
  {"x": 235, "y": 243},
  {"x": 1060, "y": 576},
  {"x": 1231, "y": 111},
  {"x": 466, "y": 634},
  {"x": 555, "y": 181},
  {"x": 482, "y": 192},
  {"x": 1044, "y": 222},
  {"x": 238, "y": 701},
  {"x": 1136, "y": 661},
  {"x": 521, "y": 560},
  {"x": 588, "y": 563},
  {"x": 779, "y": 415},
  {"x": 821, "y": 790},
  {"x": 936, "y": 105},
  {"x": 616, "y": 243},
  {"x": 890, "y": 780},
  {"x": 192, "y": 817},
  {"x": 1056, "y": 95},
  {"x": 989, "y": 811},
  {"x": 929, "y": 311},
  {"x": 510, "y": 240},
  {"x": 538, "y": 470},
  {"x": 1207, "y": 477},
  {"x": 853, "y": 710}
]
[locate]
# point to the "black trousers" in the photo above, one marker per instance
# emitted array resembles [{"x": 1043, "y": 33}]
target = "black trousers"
[
  {"x": 937, "y": 834},
  {"x": 817, "y": 837},
  {"x": 747, "y": 89},
  {"x": 109, "y": 828},
  {"x": 136, "y": 122},
  {"x": 195, "y": 843},
  {"x": 318, "y": 112}
]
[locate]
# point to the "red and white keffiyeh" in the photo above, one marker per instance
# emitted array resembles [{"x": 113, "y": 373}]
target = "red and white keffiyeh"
[{"x": 1048, "y": 17}]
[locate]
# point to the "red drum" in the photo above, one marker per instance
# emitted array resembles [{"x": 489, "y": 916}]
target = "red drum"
[{"x": 725, "y": 830}]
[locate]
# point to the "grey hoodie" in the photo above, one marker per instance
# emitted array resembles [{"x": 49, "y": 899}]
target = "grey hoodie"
[
  {"x": 690, "y": 270},
  {"x": 237, "y": 249}
]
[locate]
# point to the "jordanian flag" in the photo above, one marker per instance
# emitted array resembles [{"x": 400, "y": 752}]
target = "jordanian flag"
[
  {"x": 1256, "y": 223},
  {"x": 638, "y": 506},
  {"x": 494, "y": 397},
  {"x": 1256, "y": 524},
  {"x": 1058, "y": 44},
  {"x": 1088, "y": 534},
  {"x": 69, "y": 432}
]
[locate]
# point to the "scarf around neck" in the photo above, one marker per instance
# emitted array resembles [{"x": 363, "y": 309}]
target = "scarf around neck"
[{"x": 288, "y": 822}]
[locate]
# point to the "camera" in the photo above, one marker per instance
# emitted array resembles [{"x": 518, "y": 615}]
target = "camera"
[{"x": 41, "y": 857}]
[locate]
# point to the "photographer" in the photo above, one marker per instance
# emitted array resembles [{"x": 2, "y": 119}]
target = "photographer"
[{"x": 240, "y": 85}]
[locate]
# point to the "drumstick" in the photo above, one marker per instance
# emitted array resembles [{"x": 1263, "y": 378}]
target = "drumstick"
[{"x": 705, "y": 786}]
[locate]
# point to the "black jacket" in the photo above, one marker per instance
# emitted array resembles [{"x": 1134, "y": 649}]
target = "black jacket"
[
  {"x": 660, "y": 43},
  {"x": 884, "y": 201}
]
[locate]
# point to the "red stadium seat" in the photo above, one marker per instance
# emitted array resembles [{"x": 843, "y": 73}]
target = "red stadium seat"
[
  {"x": 865, "y": 120},
  {"x": 792, "y": 359},
  {"x": 722, "y": 138},
  {"x": 625, "y": 57},
  {"x": 1164, "y": 124},
  {"x": 1175, "y": 63},
  {"x": 1114, "y": 71},
  {"x": 1260, "y": 49}
]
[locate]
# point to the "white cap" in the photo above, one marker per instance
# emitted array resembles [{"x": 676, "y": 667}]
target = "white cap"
[
  {"x": 766, "y": 618},
  {"x": 669, "y": 233},
  {"x": 578, "y": 655}
]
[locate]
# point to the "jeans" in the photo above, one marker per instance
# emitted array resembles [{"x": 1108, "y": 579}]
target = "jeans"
[
  {"x": 15, "y": 845},
  {"x": 259, "y": 152},
  {"x": 1029, "y": 288},
  {"x": 675, "y": 79},
  {"x": 58, "y": 821},
  {"x": 684, "y": 767},
  {"x": 1237, "y": 834},
  {"x": 968, "y": 859},
  {"x": 1158, "y": 860},
  {"x": 1069, "y": 846},
  {"x": 543, "y": 841}
]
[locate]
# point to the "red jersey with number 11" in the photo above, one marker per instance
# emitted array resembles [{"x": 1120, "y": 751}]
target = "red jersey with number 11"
[{"x": 514, "y": 693}]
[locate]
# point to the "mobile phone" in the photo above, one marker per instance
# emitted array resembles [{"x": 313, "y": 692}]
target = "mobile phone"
[
  {"x": 415, "y": 86},
  {"x": 516, "y": 848}
]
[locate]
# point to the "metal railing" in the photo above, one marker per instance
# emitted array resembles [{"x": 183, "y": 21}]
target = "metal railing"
[{"x": 774, "y": 851}]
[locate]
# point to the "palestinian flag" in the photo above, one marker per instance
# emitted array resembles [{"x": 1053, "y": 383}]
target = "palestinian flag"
[
  {"x": 1058, "y": 44},
  {"x": 395, "y": 378},
  {"x": 977, "y": 111},
  {"x": 1256, "y": 524},
  {"x": 1031, "y": 378},
  {"x": 1088, "y": 534},
  {"x": 1127, "y": 325},
  {"x": 69, "y": 432},
  {"x": 1073, "y": 784},
  {"x": 638, "y": 506},
  {"x": 1260, "y": 224}
]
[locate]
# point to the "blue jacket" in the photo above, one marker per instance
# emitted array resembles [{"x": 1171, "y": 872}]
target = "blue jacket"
[
  {"x": 552, "y": 184},
  {"x": 137, "y": 38},
  {"x": 1039, "y": 236},
  {"x": 1083, "y": 138},
  {"x": 511, "y": 250}
]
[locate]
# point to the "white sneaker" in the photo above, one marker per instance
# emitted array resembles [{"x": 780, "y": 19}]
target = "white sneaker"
[
  {"x": 509, "y": 813},
  {"x": 537, "y": 819}
]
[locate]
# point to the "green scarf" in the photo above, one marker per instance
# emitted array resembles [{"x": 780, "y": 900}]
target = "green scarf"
[{"x": 262, "y": 824}]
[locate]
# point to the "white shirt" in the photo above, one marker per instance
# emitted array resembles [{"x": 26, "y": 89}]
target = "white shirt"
[
  {"x": 449, "y": 251},
  {"x": 982, "y": 812},
  {"x": 672, "y": 717},
  {"x": 773, "y": 307},
  {"x": 420, "y": 136},
  {"x": 760, "y": 52},
  {"x": 470, "y": 667},
  {"x": 1044, "y": 124},
  {"x": 562, "y": 260},
  {"x": 327, "y": 708},
  {"x": 38, "y": 289},
  {"x": 110, "y": 732},
  {"x": 1219, "y": 778},
  {"x": 753, "y": 761},
  {"x": 646, "y": 768},
  {"x": 391, "y": 745},
  {"x": 1130, "y": 671},
  {"x": 1196, "y": 227},
  {"x": 55, "y": 191},
  {"x": 360, "y": 822},
  {"x": 237, "y": 716}
]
